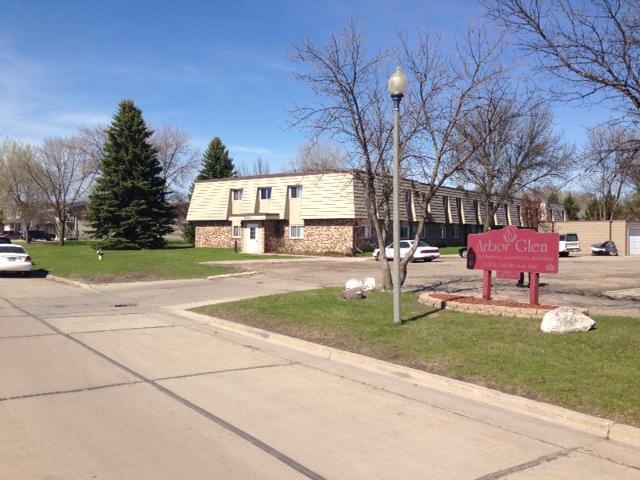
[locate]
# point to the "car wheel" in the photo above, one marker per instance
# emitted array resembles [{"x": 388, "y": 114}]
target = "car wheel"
[
  {"x": 428, "y": 259},
  {"x": 377, "y": 257},
  {"x": 564, "y": 254},
  {"x": 463, "y": 253}
]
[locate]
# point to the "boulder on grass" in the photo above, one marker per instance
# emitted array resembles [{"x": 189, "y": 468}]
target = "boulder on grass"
[
  {"x": 566, "y": 320},
  {"x": 369, "y": 285},
  {"x": 352, "y": 294},
  {"x": 353, "y": 283}
]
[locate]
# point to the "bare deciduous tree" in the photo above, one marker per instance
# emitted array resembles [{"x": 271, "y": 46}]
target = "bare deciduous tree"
[
  {"x": 179, "y": 159},
  {"x": 351, "y": 106},
  {"x": 22, "y": 195},
  {"x": 317, "y": 156},
  {"x": 64, "y": 174},
  {"x": 259, "y": 167},
  {"x": 611, "y": 158},
  {"x": 592, "y": 48},
  {"x": 514, "y": 149}
]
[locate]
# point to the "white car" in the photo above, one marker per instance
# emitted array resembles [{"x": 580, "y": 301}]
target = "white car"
[
  {"x": 424, "y": 252},
  {"x": 14, "y": 258}
]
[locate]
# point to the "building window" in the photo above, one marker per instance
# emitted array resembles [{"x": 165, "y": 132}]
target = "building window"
[
  {"x": 265, "y": 193},
  {"x": 295, "y": 192},
  {"x": 473, "y": 229},
  {"x": 443, "y": 232},
  {"x": 237, "y": 195},
  {"x": 237, "y": 231},
  {"x": 456, "y": 232},
  {"x": 404, "y": 231},
  {"x": 296, "y": 231},
  {"x": 366, "y": 232}
]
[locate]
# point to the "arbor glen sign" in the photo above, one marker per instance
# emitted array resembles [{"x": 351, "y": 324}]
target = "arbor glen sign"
[{"x": 511, "y": 251}]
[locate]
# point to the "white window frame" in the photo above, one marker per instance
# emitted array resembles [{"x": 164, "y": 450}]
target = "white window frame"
[
  {"x": 295, "y": 192},
  {"x": 265, "y": 193},
  {"x": 366, "y": 232},
  {"x": 296, "y": 231},
  {"x": 456, "y": 232},
  {"x": 236, "y": 195},
  {"x": 237, "y": 231},
  {"x": 443, "y": 232}
]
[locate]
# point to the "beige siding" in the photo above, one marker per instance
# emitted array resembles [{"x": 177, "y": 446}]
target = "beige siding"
[
  {"x": 329, "y": 195},
  {"x": 209, "y": 203},
  {"x": 590, "y": 232}
]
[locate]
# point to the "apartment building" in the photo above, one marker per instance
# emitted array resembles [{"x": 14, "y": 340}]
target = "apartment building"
[{"x": 325, "y": 212}]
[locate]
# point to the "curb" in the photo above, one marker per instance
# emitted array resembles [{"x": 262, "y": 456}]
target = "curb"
[{"x": 604, "y": 428}]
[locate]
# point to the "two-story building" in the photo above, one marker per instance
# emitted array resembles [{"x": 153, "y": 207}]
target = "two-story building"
[{"x": 325, "y": 212}]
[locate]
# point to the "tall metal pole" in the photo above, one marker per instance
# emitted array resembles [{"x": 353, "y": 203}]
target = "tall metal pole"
[
  {"x": 398, "y": 84},
  {"x": 397, "y": 284}
]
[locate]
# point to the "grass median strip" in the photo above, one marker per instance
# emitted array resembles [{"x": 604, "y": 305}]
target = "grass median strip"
[
  {"x": 78, "y": 261},
  {"x": 597, "y": 373}
]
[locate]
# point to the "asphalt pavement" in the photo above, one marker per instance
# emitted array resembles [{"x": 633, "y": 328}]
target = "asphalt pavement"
[{"x": 117, "y": 381}]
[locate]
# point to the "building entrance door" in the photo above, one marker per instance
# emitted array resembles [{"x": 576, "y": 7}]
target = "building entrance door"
[{"x": 253, "y": 239}]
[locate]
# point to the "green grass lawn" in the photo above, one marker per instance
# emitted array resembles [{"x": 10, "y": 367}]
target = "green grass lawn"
[
  {"x": 597, "y": 373},
  {"x": 78, "y": 261}
]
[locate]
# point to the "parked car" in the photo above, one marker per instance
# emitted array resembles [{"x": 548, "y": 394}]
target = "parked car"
[
  {"x": 569, "y": 242},
  {"x": 14, "y": 258},
  {"x": 41, "y": 235},
  {"x": 4, "y": 239},
  {"x": 424, "y": 252},
  {"x": 13, "y": 234}
]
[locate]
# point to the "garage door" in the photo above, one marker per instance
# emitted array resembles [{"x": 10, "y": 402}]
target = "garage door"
[{"x": 634, "y": 241}]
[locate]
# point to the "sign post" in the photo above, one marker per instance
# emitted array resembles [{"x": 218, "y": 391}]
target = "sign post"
[{"x": 511, "y": 251}]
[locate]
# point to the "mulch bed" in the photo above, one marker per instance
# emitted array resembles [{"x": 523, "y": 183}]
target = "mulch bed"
[{"x": 482, "y": 301}]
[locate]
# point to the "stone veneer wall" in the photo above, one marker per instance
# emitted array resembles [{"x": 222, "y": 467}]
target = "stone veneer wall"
[
  {"x": 322, "y": 236},
  {"x": 215, "y": 234}
]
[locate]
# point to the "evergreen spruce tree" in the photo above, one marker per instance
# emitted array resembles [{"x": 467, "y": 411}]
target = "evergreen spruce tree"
[
  {"x": 216, "y": 163},
  {"x": 129, "y": 205},
  {"x": 571, "y": 207}
]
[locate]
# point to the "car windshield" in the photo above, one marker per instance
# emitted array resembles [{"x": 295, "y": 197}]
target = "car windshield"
[{"x": 12, "y": 249}]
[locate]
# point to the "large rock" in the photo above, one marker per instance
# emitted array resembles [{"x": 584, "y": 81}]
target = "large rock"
[
  {"x": 352, "y": 294},
  {"x": 369, "y": 285},
  {"x": 566, "y": 320}
]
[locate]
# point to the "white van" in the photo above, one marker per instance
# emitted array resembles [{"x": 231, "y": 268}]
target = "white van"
[{"x": 569, "y": 242}]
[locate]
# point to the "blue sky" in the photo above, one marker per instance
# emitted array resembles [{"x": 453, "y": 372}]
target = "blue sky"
[{"x": 210, "y": 68}]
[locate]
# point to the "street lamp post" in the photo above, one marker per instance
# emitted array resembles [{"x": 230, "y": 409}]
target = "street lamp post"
[{"x": 398, "y": 84}]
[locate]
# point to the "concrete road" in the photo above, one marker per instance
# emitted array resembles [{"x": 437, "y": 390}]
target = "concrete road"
[
  {"x": 110, "y": 382},
  {"x": 604, "y": 285}
]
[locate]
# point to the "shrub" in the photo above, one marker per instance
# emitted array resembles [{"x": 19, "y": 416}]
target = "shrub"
[{"x": 115, "y": 244}]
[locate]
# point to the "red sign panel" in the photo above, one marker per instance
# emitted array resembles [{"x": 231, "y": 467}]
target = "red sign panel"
[{"x": 513, "y": 250}]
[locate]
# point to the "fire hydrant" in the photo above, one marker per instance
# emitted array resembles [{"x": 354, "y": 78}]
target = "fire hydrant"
[{"x": 100, "y": 254}]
